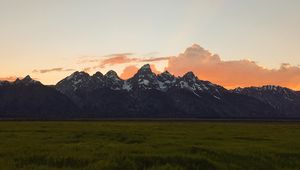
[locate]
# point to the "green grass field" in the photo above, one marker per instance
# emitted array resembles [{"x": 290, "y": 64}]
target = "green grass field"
[{"x": 123, "y": 145}]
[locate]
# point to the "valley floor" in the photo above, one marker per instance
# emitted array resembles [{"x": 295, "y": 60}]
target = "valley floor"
[{"x": 149, "y": 145}]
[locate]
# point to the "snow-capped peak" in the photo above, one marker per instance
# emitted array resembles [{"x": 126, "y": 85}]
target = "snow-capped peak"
[
  {"x": 190, "y": 76},
  {"x": 166, "y": 77},
  {"x": 75, "y": 81},
  {"x": 237, "y": 90},
  {"x": 27, "y": 78},
  {"x": 145, "y": 72},
  {"x": 77, "y": 75},
  {"x": 112, "y": 74},
  {"x": 98, "y": 74},
  {"x": 144, "y": 79},
  {"x": 266, "y": 89},
  {"x": 145, "y": 67},
  {"x": 113, "y": 81},
  {"x": 271, "y": 87},
  {"x": 167, "y": 74}
]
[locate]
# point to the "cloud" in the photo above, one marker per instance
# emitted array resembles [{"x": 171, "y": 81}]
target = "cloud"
[
  {"x": 97, "y": 59},
  {"x": 123, "y": 59},
  {"x": 236, "y": 73},
  {"x": 60, "y": 69},
  {"x": 82, "y": 61},
  {"x": 129, "y": 71},
  {"x": 119, "y": 59},
  {"x": 119, "y": 54},
  {"x": 207, "y": 66},
  {"x": 87, "y": 69},
  {"x": 154, "y": 59},
  {"x": 151, "y": 54}
]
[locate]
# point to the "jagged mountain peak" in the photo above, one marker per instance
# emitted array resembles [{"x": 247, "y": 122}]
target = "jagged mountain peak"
[
  {"x": 76, "y": 80},
  {"x": 237, "y": 90},
  {"x": 98, "y": 74},
  {"x": 145, "y": 74},
  {"x": 4, "y": 83},
  {"x": 190, "y": 76},
  {"x": 270, "y": 88},
  {"x": 112, "y": 74},
  {"x": 113, "y": 81},
  {"x": 284, "y": 99},
  {"x": 145, "y": 69},
  {"x": 79, "y": 73},
  {"x": 273, "y": 87},
  {"x": 166, "y": 73},
  {"x": 27, "y": 80},
  {"x": 76, "y": 77},
  {"x": 151, "y": 95},
  {"x": 166, "y": 76},
  {"x": 144, "y": 79}
]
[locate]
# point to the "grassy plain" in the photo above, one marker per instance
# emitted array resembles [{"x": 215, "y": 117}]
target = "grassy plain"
[{"x": 122, "y": 145}]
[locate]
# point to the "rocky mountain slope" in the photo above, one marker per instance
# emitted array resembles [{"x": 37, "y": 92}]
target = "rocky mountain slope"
[
  {"x": 29, "y": 99},
  {"x": 149, "y": 95},
  {"x": 145, "y": 95},
  {"x": 285, "y": 100}
]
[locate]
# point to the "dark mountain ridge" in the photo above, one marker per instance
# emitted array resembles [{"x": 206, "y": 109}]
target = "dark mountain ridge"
[
  {"x": 29, "y": 99},
  {"x": 145, "y": 95},
  {"x": 285, "y": 100}
]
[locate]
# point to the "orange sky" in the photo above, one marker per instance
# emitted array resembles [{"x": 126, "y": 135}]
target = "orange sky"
[
  {"x": 207, "y": 66},
  {"x": 231, "y": 74},
  {"x": 257, "y": 42}
]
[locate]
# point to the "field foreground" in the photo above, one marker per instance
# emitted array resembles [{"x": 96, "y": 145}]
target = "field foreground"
[{"x": 149, "y": 145}]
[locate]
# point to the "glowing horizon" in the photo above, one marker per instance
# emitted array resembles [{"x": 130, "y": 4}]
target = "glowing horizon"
[
  {"x": 51, "y": 39},
  {"x": 204, "y": 64}
]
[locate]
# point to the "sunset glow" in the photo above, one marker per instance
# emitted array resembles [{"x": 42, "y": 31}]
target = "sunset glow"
[{"x": 230, "y": 43}]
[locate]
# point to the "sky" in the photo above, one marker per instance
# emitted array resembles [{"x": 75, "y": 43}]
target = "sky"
[{"x": 50, "y": 39}]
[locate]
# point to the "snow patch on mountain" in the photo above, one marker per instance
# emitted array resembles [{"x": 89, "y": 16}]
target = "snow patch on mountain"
[
  {"x": 144, "y": 79},
  {"x": 127, "y": 86}
]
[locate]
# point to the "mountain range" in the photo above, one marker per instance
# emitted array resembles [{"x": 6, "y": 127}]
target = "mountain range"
[{"x": 145, "y": 95}]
